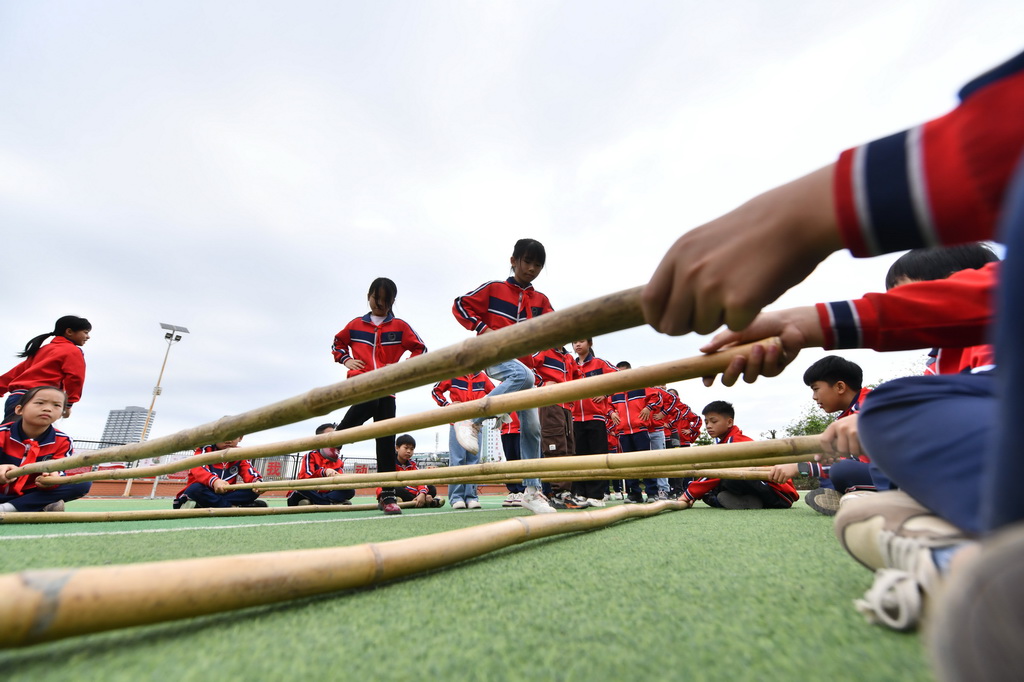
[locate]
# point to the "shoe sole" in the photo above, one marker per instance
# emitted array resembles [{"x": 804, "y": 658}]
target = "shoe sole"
[
  {"x": 861, "y": 519},
  {"x": 826, "y": 503}
]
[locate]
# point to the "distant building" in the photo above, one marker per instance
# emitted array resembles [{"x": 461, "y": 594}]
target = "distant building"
[{"x": 125, "y": 426}]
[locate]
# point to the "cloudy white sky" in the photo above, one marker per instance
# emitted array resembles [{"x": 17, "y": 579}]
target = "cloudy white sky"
[{"x": 246, "y": 169}]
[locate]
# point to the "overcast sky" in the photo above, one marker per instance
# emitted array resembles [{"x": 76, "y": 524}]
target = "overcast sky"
[{"x": 245, "y": 169}]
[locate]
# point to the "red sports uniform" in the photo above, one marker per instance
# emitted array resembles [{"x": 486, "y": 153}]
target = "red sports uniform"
[
  {"x": 462, "y": 389},
  {"x": 376, "y": 345},
  {"x": 229, "y": 472},
  {"x": 19, "y": 450},
  {"x": 59, "y": 363},
  {"x": 495, "y": 305},
  {"x": 702, "y": 486}
]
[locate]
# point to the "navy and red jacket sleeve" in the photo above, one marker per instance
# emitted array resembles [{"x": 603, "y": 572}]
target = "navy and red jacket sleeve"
[
  {"x": 471, "y": 309},
  {"x": 341, "y": 349},
  {"x": 440, "y": 388},
  {"x": 940, "y": 183},
  {"x": 953, "y": 312}
]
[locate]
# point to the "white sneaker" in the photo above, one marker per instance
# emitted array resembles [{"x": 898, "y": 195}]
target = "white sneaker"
[
  {"x": 616, "y": 496},
  {"x": 467, "y": 433},
  {"x": 473, "y": 504},
  {"x": 537, "y": 503},
  {"x": 512, "y": 500},
  {"x": 594, "y": 502},
  {"x": 897, "y": 597},
  {"x": 460, "y": 504}
]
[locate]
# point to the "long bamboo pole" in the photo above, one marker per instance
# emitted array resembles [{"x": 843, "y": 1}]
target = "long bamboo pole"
[
  {"x": 750, "y": 450},
  {"x": 603, "y": 315},
  {"x": 605, "y": 384},
  {"x": 444, "y": 478},
  {"x": 44, "y": 605},
  {"x": 164, "y": 514}
]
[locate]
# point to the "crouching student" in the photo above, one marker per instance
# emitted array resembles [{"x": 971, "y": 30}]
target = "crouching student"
[
  {"x": 421, "y": 495},
  {"x": 731, "y": 494},
  {"x": 837, "y": 386},
  {"x": 322, "y": 463},
  {"x": 207, "y": 484},
  {"x": 32, "y": 438}
]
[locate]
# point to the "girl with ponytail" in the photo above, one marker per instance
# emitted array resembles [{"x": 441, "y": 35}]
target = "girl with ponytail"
[{"x": 59, "y": 363}]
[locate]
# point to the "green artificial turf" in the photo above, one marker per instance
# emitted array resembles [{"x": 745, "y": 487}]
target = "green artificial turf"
[{"x": 698, "y": 594}]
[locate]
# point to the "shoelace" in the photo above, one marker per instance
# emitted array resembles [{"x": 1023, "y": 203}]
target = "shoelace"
[{"x": 896, "y": 599}]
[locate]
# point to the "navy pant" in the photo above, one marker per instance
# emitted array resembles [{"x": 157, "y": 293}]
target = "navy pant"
[
  {"x": 510, "y": 444},
  {"x": 34, "y": 499},
  {"x": 851, "y": 474},
  {"x": 591, "y": 439},
  {"x": 204, "y": 496},
  {"x": 316, "y": 497},
  {"x": 637, "y": 442},
  {"x": 378, "y": 409}
]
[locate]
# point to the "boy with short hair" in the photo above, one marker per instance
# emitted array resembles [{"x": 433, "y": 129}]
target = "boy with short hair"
[
  {"x": 837, "y": 386},
  {"x": 322, "y": 463},
  {"x": 421, "y": 495},
  {"x": 719, "y": 419},
  {"x": 206, "y": 484}
]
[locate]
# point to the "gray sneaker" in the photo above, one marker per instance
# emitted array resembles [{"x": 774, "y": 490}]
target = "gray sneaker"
[
  {"x": 823, "y": 500},
  {"x": 537, "y": 503},
  {"x": 467, "y": 433}
]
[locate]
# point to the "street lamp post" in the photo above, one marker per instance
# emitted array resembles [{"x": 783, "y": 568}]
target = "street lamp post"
[{"x": 172, "y": 336}]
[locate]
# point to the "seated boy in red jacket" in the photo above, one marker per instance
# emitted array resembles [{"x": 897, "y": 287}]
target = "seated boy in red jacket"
[
  {"x": 206, "y": 484},
  {"x": 321, "y": 463},
  {"x": 421, "y": 495},
  {"x": 730, "y": 494}
]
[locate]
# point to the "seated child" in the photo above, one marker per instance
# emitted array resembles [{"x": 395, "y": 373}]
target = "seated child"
[
  {"x": 836, "y": 385},
  {"x": 206, "y": 484},
  {"x": 422, "y": 495},
  {"x": 32, "y": 438},
  {"x": 322, "y": 463},
  {"x": 730, "y": 494}
]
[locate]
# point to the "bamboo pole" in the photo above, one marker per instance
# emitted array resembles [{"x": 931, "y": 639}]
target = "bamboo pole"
[
  {"x": 603, "y": 315},
  {"x": 612, "y": 462},
  {"x": 164, "y": 514},
  {"x": 605, "y": 384},
  {"x": 672, "y": 471},
  {"x": 44, "y": 605}
]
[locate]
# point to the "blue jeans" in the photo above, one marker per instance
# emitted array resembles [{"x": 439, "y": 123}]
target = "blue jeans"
[
  {"x": 457, "y": 456},
  {"x": 515, "y": 376},
  {"x": 658, "y": 443}
]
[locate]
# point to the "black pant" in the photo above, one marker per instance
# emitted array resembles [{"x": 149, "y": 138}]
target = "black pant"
[
  {"x": 591, "y": 439},
  {"x": 378, "y": 409}
]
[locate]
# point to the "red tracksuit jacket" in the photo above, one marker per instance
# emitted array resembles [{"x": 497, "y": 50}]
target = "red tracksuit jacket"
[
  {"x": 377, "y": 346},
  {"x": 229, "y": 472},
  {"x": 587, "y": 409},
  {"x": 942, "y": 182},
  {"x": 702, "y": 486},
  {"x": 495, "y": 305},
  {"x": 630, "y": 404},
  {"x": 19, "y": 450},
  {"x": 462, "y": 389},
  {"x": 59, "y": 363}
]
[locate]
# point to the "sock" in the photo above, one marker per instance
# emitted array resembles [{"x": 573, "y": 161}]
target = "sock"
[
  {"x": 7, "y": 507},
  {"x": 943, "y": 555}
]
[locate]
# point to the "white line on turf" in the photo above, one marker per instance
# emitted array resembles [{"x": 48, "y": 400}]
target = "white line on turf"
[{"x": 240, "y": 525}]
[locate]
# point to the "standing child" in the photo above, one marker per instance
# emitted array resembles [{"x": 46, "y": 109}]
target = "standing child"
[
  {"x": 375, "y": 340},
  {"x": 59, "y": 363},
  {"x": 590, "y": 417},
  {"x": 206, "y": 484},
  {"x": 461, "y": 390},
  {"x": 494, "y": 305},
  {"x": 322, "y": 463},
  {"x": 32, "y": 438},
  {"x": 730, "y": 494}
]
